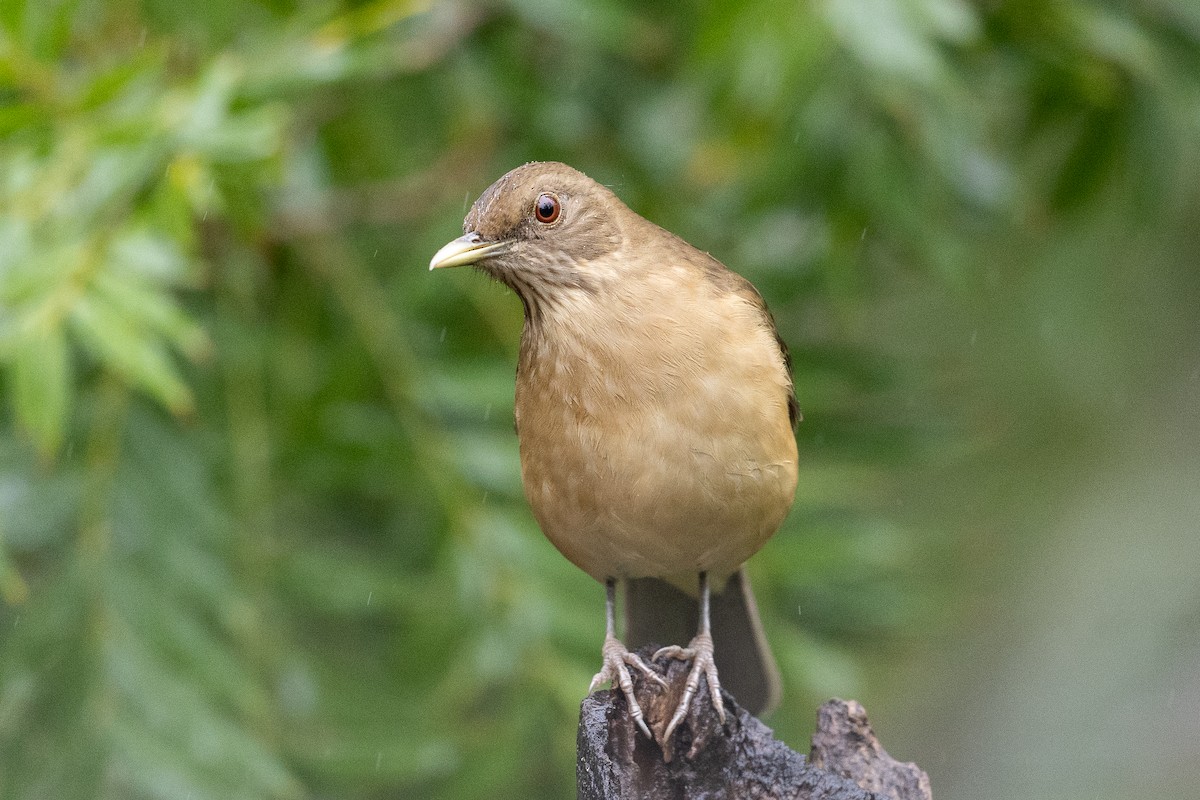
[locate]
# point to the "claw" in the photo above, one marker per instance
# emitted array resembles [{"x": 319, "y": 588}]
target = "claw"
[
  {"x": 615, "y": 670},
  {"x": 700, "y": 652}
]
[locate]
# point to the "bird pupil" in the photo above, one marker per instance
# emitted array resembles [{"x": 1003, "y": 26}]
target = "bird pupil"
[{"x": 547, "y": 208}]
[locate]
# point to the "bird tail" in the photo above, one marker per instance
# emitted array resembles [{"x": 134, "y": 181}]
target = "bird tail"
[{"x": 656, "y": 612}]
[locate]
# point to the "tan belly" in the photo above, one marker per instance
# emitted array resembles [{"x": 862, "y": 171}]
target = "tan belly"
[{"x": 664, "y": 486}]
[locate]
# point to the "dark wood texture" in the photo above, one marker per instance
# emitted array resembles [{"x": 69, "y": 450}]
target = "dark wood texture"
[{"x": 741, "y": 759}]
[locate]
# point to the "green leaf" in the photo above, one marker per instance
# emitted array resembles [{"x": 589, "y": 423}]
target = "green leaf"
[
  {"x": 249, "y": 136},
  {"x": 130, "y": 352},
  {"x": 42, "y": 387},
  {"x": 152, "y": 310}
]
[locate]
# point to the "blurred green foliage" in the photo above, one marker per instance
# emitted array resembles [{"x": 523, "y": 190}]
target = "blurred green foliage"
[{"x": 262, "y": 528}]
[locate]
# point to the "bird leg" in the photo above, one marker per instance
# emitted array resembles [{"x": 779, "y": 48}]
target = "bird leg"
[
  {"x": 615, "y": 660},
  {"x": 700, "y": 652}
]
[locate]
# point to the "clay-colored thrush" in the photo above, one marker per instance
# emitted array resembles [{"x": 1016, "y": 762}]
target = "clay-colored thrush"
[{"x": 655, "y": 414}]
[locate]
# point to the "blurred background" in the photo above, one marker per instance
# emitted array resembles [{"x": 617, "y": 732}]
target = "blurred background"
[{"x": 262, "y": 528}]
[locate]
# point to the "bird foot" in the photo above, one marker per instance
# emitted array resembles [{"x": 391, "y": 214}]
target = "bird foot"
[
  {"x": 700, "y": 652},
  {"x": 615, "y": 670}
]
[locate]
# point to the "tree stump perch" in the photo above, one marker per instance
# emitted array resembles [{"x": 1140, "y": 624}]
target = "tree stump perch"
[{"x": 740, "y": 759}]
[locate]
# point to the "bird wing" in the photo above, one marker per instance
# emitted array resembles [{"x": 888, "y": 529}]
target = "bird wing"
[{"x": 727, "y": 280}]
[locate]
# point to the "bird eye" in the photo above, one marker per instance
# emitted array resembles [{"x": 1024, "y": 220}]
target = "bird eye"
[{"x": 546, "y": 208}]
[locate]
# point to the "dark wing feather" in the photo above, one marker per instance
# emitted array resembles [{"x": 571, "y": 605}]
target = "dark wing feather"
[{"x": 658, "y": 613}]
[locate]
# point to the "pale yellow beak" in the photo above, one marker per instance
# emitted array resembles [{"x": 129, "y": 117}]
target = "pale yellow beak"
[{"x": 467, "y": 249}]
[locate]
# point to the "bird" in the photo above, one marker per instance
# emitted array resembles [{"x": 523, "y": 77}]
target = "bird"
[{"x": 655, "y": 415}]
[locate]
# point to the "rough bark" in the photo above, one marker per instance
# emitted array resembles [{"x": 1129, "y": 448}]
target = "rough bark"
[
  {"x": 741, "y": 759},
  {"x": 846, "y": 745}
]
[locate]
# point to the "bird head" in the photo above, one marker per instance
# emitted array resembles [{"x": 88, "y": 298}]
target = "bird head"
[{"x": 542, "y": 229}]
